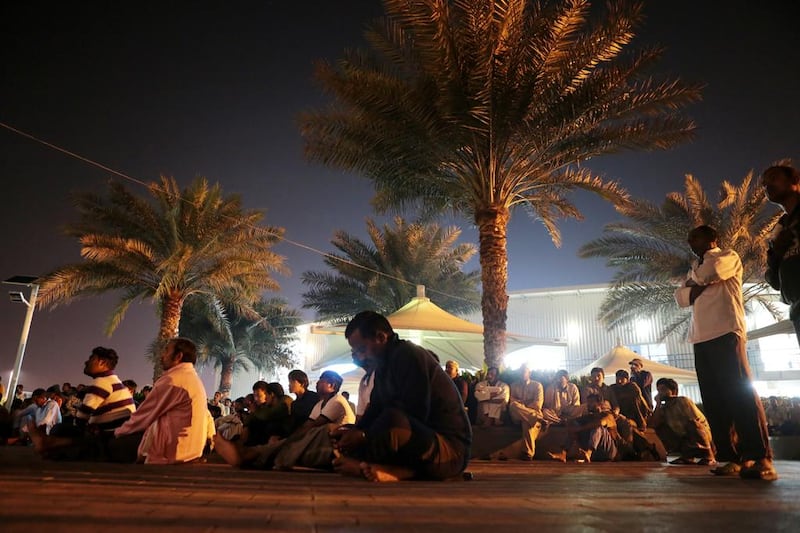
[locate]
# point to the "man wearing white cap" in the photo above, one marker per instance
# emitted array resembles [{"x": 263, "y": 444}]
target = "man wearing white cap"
[{"x": 643, "y": 378}]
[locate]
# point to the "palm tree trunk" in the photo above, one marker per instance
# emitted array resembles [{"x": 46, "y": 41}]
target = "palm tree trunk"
[
  {"x": 171, "y": 307},
  {"x": 492, "y": 230},
  {"x": 226, "y": 374}
]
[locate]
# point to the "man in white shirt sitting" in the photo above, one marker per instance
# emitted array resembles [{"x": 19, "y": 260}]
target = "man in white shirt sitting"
[{"x": 493, "y": 396}]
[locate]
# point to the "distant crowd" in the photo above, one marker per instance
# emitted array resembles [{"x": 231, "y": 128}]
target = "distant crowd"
[{"x": 282, "y": 428}]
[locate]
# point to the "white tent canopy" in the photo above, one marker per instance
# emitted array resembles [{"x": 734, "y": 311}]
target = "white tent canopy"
[
  {"x": 619, "y": 358},
  {"x": 426, "y": 324}
]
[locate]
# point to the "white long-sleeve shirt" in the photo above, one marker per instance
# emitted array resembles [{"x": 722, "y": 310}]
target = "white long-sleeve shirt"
[
  {"x": 48, "y": 415},
  {"x": 174, "y": 417},
  {"x": 719, "y": 310}
]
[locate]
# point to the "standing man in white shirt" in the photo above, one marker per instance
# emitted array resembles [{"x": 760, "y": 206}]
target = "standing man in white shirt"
[{"x": 717, "y": 331}]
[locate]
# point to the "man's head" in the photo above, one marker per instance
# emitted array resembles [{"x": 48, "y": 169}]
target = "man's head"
[
  {"x": 274, "y": 392},
  {"x": 131, "y": 385},
  {"x": 622, "y": 377},
  {"x": 178, "y": 350},
  {"x": 701, "y": 239},
  {"x": 368, "y": 334},
  {"x": 66, "y": 388},
  {"x": 491, "y": 374},
  {"x": 146, "y": 390},
  {"x": 100, "y": 361},
  {"x": 329, "y": 383},
  {"x": 298, "y": 382},
  {"x": 561, "y": 378},
  {"x": 780, "y": 183},
  {"x": 525, "y": 373},
  {"x": 346, "y": 395},
  {"x": 238, "y": 404},
  {"x": 260, "y": 389},
  {"x": 593, "y": 403},
  {"x": 451, "y": 369},
  {"x": 636, "y": 365},
  {"x": 57, "y": 397},
  {"x": 597, "y": 376},
  {"x": 39, "y": 397},
  {"x": 250, "y": 401},
  {"x": 667, "y": 388}
]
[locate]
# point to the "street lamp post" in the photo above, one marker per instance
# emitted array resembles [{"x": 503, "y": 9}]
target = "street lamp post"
[{"x": 17, "y": 296}]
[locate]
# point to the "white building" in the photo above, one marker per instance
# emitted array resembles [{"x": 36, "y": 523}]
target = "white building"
[{"x": 568, "y": 316}]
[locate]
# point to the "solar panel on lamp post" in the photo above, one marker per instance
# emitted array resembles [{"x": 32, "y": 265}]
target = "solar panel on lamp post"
[{"x": 19, "y": 297}]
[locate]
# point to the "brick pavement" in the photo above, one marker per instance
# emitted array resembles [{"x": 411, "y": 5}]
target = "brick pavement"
[{"x": 504, "y": 496}]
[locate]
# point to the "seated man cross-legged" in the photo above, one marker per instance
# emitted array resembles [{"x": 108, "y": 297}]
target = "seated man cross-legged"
[
  {"x": 681, "y": 426},
  {"x": 592, "y": 437},
  {"x": 415, "y": 425},
  {"x": 307, "y": 446}
]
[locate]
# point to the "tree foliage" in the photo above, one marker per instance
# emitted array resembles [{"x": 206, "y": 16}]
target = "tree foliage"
[
  {"x": 233, "y": 343},
  {"x": 482, "y": 106},
  {"x": 651, "y": 256},
  {"x": 381, "y": 275},
  {"x": 166, "y": 247}
]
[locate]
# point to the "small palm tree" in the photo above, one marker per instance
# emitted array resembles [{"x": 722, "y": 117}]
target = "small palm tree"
[
  {"x": 381, "y": 275},
  {"x": 481, "y": 107},
  {"x": 232, "y": 343},
  {"x": 166, "y": 248},
  {"x": 652, "y": 257}
]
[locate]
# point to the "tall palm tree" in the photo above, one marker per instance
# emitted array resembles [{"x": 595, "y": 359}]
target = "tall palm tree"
[
  {"x": 381, "y": 275},
  {"x": 166, "y": 248},
  {"x": 232, "y": 342},
  {"x": 652, "y": 257},
  {"x": 483, "y": 106}
]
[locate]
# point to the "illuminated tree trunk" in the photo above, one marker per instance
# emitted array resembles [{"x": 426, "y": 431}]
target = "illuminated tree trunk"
[
  {"x": 226, "y": 374},
  {"x": 168, "y": 328},
  {"x": 492, "y": 231}
]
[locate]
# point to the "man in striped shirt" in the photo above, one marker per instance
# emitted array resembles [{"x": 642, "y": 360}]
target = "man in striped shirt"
[{"x": 108, "y": 402}]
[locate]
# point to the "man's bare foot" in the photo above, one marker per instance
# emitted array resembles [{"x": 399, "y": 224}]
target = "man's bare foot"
[
  {"x": 385, "y": 473},
  {"x": 347, "y": 466},
  {"x": 560, "y": 456},
  {"x": 583, "y": 456},
  {"x": 227, "y": 450},
  {"x": 38, "y": 438}
]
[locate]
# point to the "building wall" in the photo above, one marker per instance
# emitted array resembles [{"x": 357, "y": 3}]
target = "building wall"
[{"x": 570, "y": 314}]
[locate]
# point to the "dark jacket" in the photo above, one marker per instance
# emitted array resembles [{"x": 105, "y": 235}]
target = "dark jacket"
[
  {"x": 409, "y": 378},
  {"x": 783, "y": 261}
]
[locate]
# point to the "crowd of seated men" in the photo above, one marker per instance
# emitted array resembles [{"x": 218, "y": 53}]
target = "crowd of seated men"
[
  {"x": 598, "y": 422},
  {"x": 270, "y": 429}
]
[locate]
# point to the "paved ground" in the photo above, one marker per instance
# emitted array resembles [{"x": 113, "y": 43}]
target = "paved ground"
[{"x": 503, "y": 497}]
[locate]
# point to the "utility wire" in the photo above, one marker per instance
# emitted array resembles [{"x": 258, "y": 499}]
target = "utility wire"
[{"x": 300, "y": 245}]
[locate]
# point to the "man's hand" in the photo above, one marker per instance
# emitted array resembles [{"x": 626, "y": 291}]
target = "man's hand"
[
  {"x": 696, "y": 291},
  {"x": 348, "y": 439}
]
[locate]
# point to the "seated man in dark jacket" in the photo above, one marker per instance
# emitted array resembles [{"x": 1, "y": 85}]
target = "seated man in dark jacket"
[
  {"x": 415, "y": 424},
  {"x": 271, "y": 416}
]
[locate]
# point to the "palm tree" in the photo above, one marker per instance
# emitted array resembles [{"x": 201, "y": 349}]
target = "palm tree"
[
  {"x": 166, "y": 248},
  {"x": 652, "y": 257},
  {"x": 233, "y": 343},
  {"x": 381, "y": 275},
  {"x": 482, "y": 106}
]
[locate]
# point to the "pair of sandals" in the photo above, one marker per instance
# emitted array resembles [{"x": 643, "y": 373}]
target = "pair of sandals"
[{"x": 690, "y": 461}]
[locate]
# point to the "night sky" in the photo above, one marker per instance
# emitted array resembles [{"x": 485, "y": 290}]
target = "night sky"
[{"x": 214, "y": 89}]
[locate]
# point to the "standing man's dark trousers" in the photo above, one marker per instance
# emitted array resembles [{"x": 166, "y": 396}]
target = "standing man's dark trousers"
[
  {"x": 730, "y": 402},
  {"x": 796, "y": 323},
  {"x": 396, "y": 438}
]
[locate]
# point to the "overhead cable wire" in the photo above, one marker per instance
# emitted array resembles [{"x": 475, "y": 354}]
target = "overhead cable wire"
[{"x": 143, "y": 183}]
